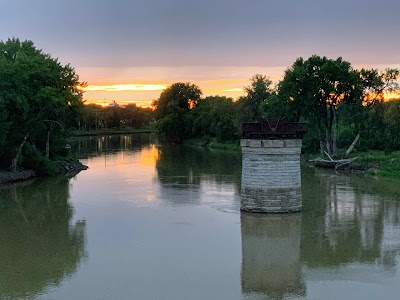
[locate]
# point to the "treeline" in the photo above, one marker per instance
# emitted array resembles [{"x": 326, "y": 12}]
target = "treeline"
[
  {"x": 41, "y": 100},
  {"x": 94, "y": 117},
  {"x": 344, "y": 107}
]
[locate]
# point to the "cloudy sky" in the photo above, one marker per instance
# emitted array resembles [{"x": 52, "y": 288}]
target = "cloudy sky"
[{"x": 130, "y": 50}]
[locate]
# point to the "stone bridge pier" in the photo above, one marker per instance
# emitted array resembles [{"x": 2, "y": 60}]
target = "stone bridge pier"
[{"x": 271, "y": 180}]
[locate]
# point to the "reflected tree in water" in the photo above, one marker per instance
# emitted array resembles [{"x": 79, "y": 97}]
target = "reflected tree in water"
[
  {"x": 39, "y": 247},
  {"x": 185, "y": 171},
  {"x": 345, "y": 219},
  {"x": 187, "y": 165},
  {"x": 86, "y": 147}
]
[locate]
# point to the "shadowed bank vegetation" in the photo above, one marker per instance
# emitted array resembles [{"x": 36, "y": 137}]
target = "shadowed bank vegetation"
[{"x": 128, "y": 118}]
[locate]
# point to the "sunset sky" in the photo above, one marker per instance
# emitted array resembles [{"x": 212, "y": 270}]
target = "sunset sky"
[{"x": 129, "y": 51}]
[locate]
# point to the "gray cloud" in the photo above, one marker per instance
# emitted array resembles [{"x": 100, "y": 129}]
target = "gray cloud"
[{"x": 207, "y": 32}]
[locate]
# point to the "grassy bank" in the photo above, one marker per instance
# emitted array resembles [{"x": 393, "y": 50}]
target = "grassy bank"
[
  {"x": 373, "y": 163},
  {"x": 379, "y": 163}
]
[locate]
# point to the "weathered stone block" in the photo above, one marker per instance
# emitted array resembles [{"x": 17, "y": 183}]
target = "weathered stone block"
[
  {"x": 255, "y": 144},
  {"x": 293, "y": 143},
  {"x": 274, "y": 143}
]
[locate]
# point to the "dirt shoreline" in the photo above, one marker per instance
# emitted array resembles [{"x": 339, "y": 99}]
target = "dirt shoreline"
[
  {"x": 8, "y": 176},
  {"x": 68, "y": 168}
]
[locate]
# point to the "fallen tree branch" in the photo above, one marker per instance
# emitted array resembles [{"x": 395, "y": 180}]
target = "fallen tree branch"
[
  {"x": 333, "y": 163},
  {"x": 353, "y": 144},
  {"x": 328, "y": 155}
]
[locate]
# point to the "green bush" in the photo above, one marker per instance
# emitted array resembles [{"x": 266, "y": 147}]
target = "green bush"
[{"x": 34, "y": 160}]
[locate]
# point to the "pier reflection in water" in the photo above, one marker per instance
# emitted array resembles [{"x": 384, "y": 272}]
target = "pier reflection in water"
[
  {"x": 271, "y": 255},
  {"x": 39, "y": 245}
]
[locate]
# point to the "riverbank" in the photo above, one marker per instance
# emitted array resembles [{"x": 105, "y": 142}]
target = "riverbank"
[
  {"x": 8, "y": 176},
  {"x": 379, "y": 163},
  {"x": 69, "y": 168},
  {"x": 372, "y": 163}
]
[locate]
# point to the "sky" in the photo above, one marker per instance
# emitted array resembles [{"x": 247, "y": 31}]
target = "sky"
[{"x": 129, "y": 51}]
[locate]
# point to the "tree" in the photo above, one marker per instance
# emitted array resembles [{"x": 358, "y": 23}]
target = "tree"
[
  {"x": 34, "y": 87},
  {"x": 275, "y": 107},
  {"x": 257, "y": 93},
  {"x": 392, "y": 117},
  {"x": 172, "y": 110},
  {"x": 215, "y": 116},
  {"x": 4, "y": 125},
  {"x": 178, "y": 96},
  {"x": 135, "y": 116},
  {"x": 316, "y": 87},
  {"x": 91, "y": 115},
  {"x": 374, "y": 85}
]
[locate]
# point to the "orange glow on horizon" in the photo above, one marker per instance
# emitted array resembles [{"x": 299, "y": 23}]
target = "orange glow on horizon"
[
  {"x": 107, "y": 102},
  {"x": 392, "y": 96},
  {"x": 386, "y": 96},
  {"x": 123, "y": 87},
  {"x": 233, "y": 90}
]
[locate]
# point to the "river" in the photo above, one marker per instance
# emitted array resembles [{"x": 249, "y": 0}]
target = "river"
[{"x": 155, "y": 221}]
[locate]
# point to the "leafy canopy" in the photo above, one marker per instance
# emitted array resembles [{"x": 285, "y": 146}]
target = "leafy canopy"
[{"x": 34, "y": 87}]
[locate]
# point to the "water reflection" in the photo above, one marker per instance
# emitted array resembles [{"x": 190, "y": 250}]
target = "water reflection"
[
  {"x": 92, "y": 146},
  {"x": 350, "y": 236},
  {"x": 194, "y": 176},
  {"x": 159, "y": 230},
  {"x": 349, "y": 222},
  {"x": 189, "y": 165},
  {"x": 271, "y": 255},
  {"x": 39, "y": 247}
]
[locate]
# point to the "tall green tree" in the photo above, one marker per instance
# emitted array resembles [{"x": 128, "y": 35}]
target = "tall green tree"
[
  {"x": 392, "y": 128},
  {"x": 256, "y": 94},
  {"x": 172, "y": 110},
  {"x": 316, "y": 87},
  {"x": 375, "y": 85},
  {"x": 178, "y": 96},
  {"x": 37, "y": 92},
  {"x": 215, "y": 117}
]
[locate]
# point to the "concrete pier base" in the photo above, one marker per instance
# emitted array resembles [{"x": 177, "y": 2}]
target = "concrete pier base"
[{"x": 271, "y": 175}]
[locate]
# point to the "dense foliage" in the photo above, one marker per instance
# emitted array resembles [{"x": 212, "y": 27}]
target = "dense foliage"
[
  {"x": 183, "y": 114},
  {"x": 173, "y": 110},
  {"x": 39, "y": 99},
  {"x": 95, "y": 117},
  {"x": 344, "y": 107},
  {"x": 316, "y": 87}
]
